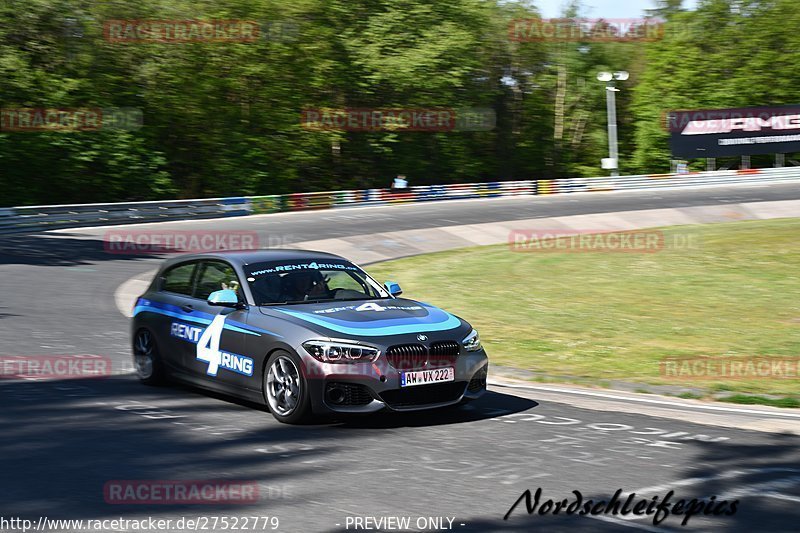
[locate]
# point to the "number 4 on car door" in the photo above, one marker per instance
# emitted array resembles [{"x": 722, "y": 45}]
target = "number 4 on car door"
[{"x": 208, "y": 345}]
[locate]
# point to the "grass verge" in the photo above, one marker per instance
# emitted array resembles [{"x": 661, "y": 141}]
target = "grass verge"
[{"x": 723, "y": 290}]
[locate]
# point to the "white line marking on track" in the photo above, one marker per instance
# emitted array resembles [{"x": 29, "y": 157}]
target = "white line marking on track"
[
  {"x": 692, "y": 481},
  {"x": 611, "y": 396},
  {"x": 779, "y": 496}
]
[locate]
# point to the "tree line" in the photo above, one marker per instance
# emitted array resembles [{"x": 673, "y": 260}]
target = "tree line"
[{"x": 221, "y": 114}]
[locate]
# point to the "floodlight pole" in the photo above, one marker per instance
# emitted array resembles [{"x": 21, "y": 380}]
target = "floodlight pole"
[{"x": 611, "y": 109}]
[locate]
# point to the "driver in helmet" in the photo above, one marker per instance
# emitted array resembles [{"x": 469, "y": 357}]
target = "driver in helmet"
[{"x": 304, "y": 285}]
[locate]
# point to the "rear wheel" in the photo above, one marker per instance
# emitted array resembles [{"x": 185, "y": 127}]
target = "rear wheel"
[
  {"x": 146, "y": 360},
  {"x": 286, "y": 389}
]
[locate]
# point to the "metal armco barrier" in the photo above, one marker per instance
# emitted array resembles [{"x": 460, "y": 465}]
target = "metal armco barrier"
[{"x": 39, "y": 218}]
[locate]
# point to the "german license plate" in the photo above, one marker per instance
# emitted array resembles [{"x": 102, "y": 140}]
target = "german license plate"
[{"x": 426, "y": 377}]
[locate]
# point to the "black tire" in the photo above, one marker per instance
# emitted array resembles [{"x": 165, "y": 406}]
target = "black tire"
[
  {"x": 286, "y": 391},
  {"x": 146, "y": 360}
]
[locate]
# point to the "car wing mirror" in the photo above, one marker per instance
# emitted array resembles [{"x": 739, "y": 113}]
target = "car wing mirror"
[
  {"x": 393, "y": 288},
  {"x": 224, "y": 298}
]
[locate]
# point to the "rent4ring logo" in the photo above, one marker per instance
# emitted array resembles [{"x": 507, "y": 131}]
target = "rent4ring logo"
[
  {"x": 208, "y": 351},
  {"x": 186, "y": 332},
  {"x": 368, "y": 306}
]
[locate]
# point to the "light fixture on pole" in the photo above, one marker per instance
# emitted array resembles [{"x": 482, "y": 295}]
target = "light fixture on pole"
[{"x": 612, "y": 162}]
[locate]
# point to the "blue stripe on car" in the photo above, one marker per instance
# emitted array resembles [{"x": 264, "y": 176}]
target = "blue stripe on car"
[
  {"x": 377, "y": 328},
  {"x": 198, "y": 317}
]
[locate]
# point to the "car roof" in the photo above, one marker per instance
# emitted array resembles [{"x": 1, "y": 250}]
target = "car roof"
[{"x": 249, "y": 257}]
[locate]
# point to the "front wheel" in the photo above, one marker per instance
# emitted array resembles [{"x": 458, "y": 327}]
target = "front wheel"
[
  {"x": 146, "y": 360},
  {"x": 286, "y": 389}
]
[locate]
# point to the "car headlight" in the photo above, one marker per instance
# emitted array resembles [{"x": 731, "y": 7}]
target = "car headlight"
[
  {"x": 341, "y": 352},
  {"x": 472, "y": 343}
]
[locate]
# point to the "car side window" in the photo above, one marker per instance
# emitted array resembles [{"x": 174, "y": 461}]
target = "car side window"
[
  {"x": 216, "y": 276},
  {"x": 178, "y": 279}
]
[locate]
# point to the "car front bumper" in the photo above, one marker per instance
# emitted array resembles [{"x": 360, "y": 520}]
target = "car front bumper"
[{"x": 371, "y": 387}]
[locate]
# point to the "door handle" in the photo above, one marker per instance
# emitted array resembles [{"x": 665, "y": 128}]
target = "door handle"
[{"x": 187, "y": 308}]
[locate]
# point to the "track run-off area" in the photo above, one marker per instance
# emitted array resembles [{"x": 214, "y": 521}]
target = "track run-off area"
[{"x": 64, "y": 441}]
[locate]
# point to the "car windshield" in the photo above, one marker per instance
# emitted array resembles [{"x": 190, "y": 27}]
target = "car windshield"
[{"x": 299, "y": 281}]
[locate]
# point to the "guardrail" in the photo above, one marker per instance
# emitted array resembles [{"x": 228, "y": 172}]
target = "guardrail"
[{"x": 39, "y": 218}]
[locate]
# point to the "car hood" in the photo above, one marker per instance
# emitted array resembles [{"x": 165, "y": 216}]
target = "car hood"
[{"x": 367, "y": 318}]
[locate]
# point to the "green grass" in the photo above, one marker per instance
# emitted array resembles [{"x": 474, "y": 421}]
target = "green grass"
[
  {"x": 761, "y": 400},
  {"x": 690, "y": 396},
  {"x": 606, "y": 316}
]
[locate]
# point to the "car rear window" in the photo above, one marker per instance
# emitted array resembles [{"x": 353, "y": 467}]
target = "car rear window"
[
  {"x": 179, "y": 279},
  {"x": 215, "y": 276}
]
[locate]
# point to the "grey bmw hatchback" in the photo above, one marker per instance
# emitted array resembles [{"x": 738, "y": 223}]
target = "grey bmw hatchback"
[{"x": 303, "y": 332}]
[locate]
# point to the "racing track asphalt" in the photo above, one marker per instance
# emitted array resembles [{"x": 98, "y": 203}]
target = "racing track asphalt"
[{"x": 63, "y": 440}]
